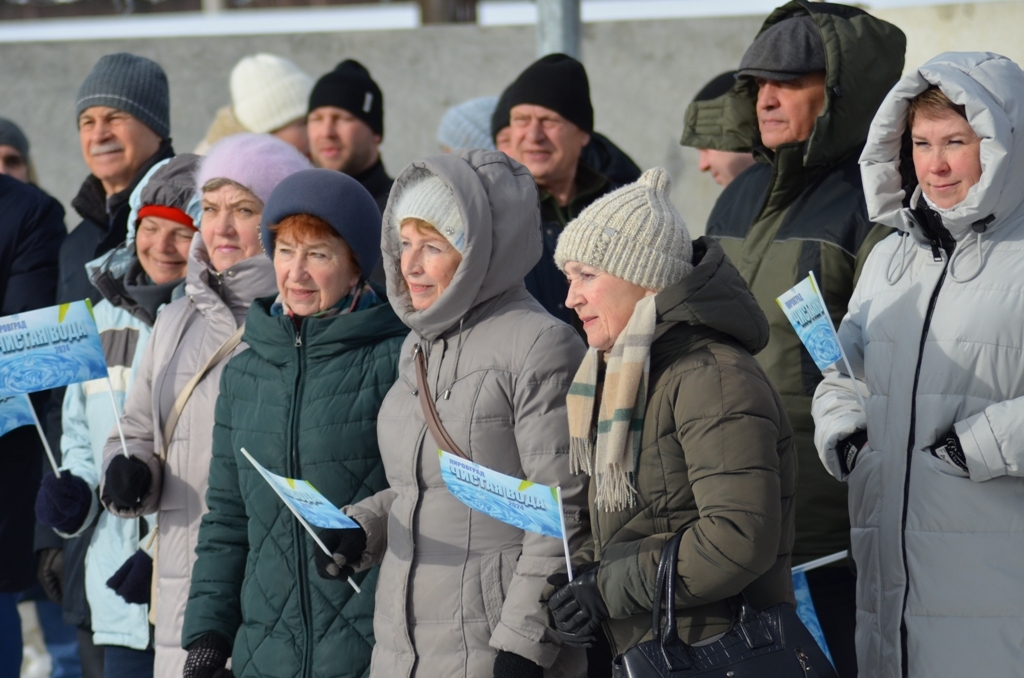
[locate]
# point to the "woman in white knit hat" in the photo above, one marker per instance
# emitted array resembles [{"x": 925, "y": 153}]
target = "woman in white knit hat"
[
  {"x": 458, "y": 594},
  {"x": 675, "y": 423}
]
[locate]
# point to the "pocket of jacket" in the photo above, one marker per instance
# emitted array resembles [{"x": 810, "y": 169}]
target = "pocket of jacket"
[
  {"x": 943, "y": 467},
  {"x": 496, "y": 571}
]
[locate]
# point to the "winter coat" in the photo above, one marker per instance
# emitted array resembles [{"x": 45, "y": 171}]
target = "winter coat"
[
  {"x": 801, "y": 210},
  {"x": 456, "y": 585},
  {"x": 186, "y": 334},
  {"x": 304, "y": 404},
  {"x": 31, "y": 231},
  {"x": 716, "y": 459},
  {"x": 934, "y": 340},
  {"x": 125, "y": 319},
  {"x": 546, "y": 282}
]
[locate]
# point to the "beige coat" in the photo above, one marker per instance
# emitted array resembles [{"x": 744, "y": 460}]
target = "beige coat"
[
  {"x": 186, "y": 334},
  {"x": 455, "y": 585}
]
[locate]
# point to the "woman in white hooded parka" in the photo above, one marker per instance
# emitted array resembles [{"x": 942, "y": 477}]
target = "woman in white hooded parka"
[{"x": 935, "y": 337}]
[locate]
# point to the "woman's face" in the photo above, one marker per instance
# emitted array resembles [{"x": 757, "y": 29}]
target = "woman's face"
[
  {"x": 947, "y": 157},
  {"x": 603, "y": 302},
  {"x": 429, "y": 263},
  {"x": 231, "y": 225},
  {"x": 313, "y": 275}
]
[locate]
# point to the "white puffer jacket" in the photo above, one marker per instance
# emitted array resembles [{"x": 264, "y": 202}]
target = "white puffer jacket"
[{"x": 938, "y": 341}]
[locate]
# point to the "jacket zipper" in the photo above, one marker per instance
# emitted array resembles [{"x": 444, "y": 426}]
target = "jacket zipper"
[
  {"x": 297, "y": 532},
  {"x": 910, "y": 451}
]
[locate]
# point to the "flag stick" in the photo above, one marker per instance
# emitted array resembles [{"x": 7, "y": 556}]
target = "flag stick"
[
  {"x": 304, "y": 523},
  {"x": 565, "y": 536},
  {"x": 117, "y": 416},
  {"x": 821, "y": 562},
  {"x": 42, "y": 436}
]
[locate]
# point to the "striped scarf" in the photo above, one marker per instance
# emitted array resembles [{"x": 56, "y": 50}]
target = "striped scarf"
[{"x": 611, "y": 459}]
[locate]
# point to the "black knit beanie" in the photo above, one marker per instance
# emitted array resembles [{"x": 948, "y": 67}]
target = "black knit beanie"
[
  {"x": 557, "y": 82},
  {"x": 501, "y": 118},
  {"x": 350, "y": 86}
]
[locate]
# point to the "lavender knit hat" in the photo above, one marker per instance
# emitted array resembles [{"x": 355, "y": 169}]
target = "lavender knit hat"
[{"x": 256, "y": 161}]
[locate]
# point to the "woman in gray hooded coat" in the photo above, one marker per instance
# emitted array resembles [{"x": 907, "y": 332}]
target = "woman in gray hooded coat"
[
  {"x": 935, "y": 466},
  {"x": 459, "y": 592}
]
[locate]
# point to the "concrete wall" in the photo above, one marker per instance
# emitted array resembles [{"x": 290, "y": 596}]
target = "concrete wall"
[{"x": 642, "y": 76}]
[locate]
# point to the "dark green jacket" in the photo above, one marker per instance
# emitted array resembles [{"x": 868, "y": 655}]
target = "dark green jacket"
[
  {"x": 305, "y": 406},
  {"x": 716, "y": 459},
  {"x": 801, "y": 209}
]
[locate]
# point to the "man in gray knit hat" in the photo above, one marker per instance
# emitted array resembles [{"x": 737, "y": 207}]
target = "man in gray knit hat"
[{"x": 123, "y": 119}]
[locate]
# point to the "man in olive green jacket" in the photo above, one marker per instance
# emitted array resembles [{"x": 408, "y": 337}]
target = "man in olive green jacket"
[{"x": 805, "y": 94}]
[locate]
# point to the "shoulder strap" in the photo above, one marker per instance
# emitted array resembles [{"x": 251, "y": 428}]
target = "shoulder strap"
[
  {"x": 179, "y": 403},
  {"x": 434, "y": 422}
]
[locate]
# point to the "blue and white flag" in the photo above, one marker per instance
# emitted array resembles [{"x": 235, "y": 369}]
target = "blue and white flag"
[
  {"x": 518, "y": 502},
  {"x": 49, "y": 348},
  {"x": 805, "y": 610},
  {"x": 15, "y": 412},
  {"x": 809, "y": 316}
]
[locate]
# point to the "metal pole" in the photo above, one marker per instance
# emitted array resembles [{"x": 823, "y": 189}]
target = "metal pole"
[
  {"x": 212, "y": 6},
  {"x": 558, "y": 27}
]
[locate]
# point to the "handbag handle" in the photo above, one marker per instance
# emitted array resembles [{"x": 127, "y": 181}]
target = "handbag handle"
[
  {"x": 665, "y": 586},
  {"x": 434, "y": 422},
  {"x": 179, "y": 403}
]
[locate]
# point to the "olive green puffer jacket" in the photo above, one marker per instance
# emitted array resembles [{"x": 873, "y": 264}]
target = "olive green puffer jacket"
[
  {"x": 304, "y": 404},
  {"x": 716, "y": 459},
  {"x": 801, "y": 209}
]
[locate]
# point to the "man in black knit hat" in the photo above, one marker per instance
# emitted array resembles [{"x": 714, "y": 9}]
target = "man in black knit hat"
[
  {"x": 346, "y": 125},
  {"x": 551, "y": 120}
]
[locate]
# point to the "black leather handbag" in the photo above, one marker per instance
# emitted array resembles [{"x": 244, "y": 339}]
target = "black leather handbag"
[{"x": 772, "y": 643}]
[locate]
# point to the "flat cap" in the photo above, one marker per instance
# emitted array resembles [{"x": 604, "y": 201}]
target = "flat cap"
[{"x": 786, "y": 51}]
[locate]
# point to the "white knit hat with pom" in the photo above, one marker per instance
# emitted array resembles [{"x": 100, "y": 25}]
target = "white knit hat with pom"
[
  {"x": 634, "y": 233},
  {"x": 268, "y": 92}
]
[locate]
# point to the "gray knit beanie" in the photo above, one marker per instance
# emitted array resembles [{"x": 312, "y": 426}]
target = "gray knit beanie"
[
  {"x": 634, "y": 233},
  {"x": 11, "y": 135},
  {"x": 129, "y": 83}
]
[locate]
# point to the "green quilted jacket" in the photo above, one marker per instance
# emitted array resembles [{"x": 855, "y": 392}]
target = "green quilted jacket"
[
  {"x": 801, "y": 209},
  {"x": 304, "y": 404}
]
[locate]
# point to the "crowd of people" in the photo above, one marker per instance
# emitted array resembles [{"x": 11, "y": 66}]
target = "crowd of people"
[{"x": 532, "y": 300}]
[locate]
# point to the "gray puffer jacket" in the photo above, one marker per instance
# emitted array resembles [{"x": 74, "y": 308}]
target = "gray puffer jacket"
[
  {"x": 186, "y": 334},
  {"x": 935, "y": 340},
  {"x": 456, "y": 585}
]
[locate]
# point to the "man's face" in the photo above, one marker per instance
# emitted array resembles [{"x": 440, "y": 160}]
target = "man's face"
[
  {"x": 548, "y": 144},
  {"x": 786, "y": 111},
  {"x": 724, "y": 166},
  {"x": 115, "y": 145},
  {"x": 340, "y": 141},
  {"x": 13, "y": 163}
]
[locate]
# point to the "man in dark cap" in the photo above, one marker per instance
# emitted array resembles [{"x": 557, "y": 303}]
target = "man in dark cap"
[
  {"x": 724, "y": 166},
  {"x": 346, "y": 125},
  {"x": 806, "y": 92},
  {"x": 14, "y": 160},
  {"x": 551, "y": 121}
]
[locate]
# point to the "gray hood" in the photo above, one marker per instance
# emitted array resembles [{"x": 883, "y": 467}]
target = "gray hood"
[
  {"x": 498, "y": 201},
  {"x": 236, "y": 287},
  {"x": 991, "y": 87}
]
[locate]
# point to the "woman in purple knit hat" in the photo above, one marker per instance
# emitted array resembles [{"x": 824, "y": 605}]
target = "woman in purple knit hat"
[{"x": 165, "y": 467}]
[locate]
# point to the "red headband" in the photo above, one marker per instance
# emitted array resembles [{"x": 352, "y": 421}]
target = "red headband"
[{"x": 164, "y": 212}]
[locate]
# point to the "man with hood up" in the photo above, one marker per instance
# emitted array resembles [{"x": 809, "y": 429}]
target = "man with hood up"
[
  {"x": 804, "y": 96},
  {"x": 933, "y": 335}
]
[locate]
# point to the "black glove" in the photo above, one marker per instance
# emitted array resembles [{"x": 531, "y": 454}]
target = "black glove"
[
  {"x": 51, "y": 573},
  {"x": 948, "y": 449},
  {"x": 207, "y": 657},
  {"x": 133, "y": 580},
  {"x": 127, "y": 482},
  {"x": 848, "y": 449},
  {"x": 347, "y": 546},
  {"x": 577, "y": 607},
  {"x": 63, "y": 503},
  {"x": 511, "y": 665}
]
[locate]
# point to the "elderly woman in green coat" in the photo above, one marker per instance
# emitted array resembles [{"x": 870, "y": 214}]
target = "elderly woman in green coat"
[{"x": 303, "y": 401}]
